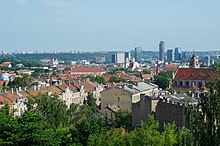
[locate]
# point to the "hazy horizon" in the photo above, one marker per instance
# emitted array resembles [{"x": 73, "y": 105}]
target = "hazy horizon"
[{"x": 71, "y": 25}]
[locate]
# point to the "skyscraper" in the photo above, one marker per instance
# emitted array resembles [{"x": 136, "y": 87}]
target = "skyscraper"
[
  {"x": 170, "y": 55},
  {"x": 177, "y": 54},
  {"x": 118, "y": 58},
  {"x": 128, "y": 55},
  {"x": 161, "y": 50},
  {"x": 138, "y": 54}
]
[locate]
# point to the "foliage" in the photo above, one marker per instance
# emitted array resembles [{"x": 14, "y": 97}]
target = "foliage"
[
  {"x": 53, "y": 109},
  {"x": 123, "y": 119},
  {"x": 204, "y": 118},
  {"x": 163, "y": 79},
  {"x": 98, "y": 79},
  {"x": 91, "y": 101},
  {"x": 117, "y": 79},
  {"x": 23, "y": 81},
  {"x": 26, "y": 130}
]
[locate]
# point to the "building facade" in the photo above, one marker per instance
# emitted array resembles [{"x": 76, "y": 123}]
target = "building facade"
[
  {"x": 170, "y": 56},
  {"x": 161, "y": 51}
]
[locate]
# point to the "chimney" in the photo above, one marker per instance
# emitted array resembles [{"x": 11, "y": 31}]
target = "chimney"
[
  {"x": 19, "y": 88},
  {"x": 25, "y": 88},
  {"x": 12, "y": 91},
  {"x": 16, "y": 90}
]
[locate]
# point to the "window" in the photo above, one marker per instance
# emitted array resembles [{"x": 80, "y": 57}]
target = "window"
[
  {"x": 187, "y": 83},
  {"x": 181, "y": 83},
  {"x": 118, "y": 98}
]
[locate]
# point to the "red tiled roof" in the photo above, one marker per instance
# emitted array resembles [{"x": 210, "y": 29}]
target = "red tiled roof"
[
  {"x": 25, "y": 94},
  {"x": 88, "y": 69},
  {"x": 171, "y": 67},
  {"x": 88, "y": 86},
  {"x": 1, "y": 83},
  {"x": 10, "y": 96},
  {"x": 193, "y": 74},
  {"x": 52, "y": 89},
  {"x": 147, "y": 76},
  {"x": 5, "y": 100}
]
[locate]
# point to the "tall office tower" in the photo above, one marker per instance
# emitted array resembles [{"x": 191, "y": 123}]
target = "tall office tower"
[
  {"x": 207, "y": 60},
  {"x": 128, "y": 55},
  {"x": 113, "y": 58},
  {"x": 138, "y": 54},
  {"x": 161, "y": 50},
  {"x": 184, "y": 55},
  {"x": 170, "y": 55},
  {"x": 177, "y": 54},
  {"x": 118, "y": 57}
]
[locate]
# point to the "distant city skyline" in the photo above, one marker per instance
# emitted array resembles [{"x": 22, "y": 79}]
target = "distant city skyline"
[{"x": 49, "y": 25}]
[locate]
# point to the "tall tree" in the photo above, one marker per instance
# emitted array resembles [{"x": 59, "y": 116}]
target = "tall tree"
[
  {"x": 51, "y": 107},
  {"x": 204, "y": 118}
]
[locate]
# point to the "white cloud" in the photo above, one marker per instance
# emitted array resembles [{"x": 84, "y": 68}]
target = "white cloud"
[{"x": 21, "y": 2}]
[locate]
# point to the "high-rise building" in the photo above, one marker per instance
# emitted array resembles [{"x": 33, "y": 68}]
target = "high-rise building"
[
  {"x": 128, "y": 55},
  {"x": 177, "y": 54},
  {"x": 113, "y": 58},
  {"x": 185, "y": 55},
  {"x": 118, "y": 58},
  {"x": 138, "y": 54},
  {"x": 207, "y": 60},
  {"x": 161, "y": 51},
  {"x": 170, "y": 55}
]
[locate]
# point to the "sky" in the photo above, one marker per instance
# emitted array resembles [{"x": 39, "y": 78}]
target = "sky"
[{"x": 109, "y": 25}]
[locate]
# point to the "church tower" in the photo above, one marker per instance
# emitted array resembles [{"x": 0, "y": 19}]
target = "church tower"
[{"x": 194, "y": 62}]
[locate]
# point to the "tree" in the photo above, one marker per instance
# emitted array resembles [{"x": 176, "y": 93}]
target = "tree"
[
  {"x": 147, "y": 134},
  {"x": 163, "y": 79},
  {"x": 91, "y": 101},
  {"x": 169, "y": 135},
  {"x": 204, "y": 118},
  {"x": 54, "y": 110},
  {"x": 93, "y": 125},
  {"x": 111, "y": 138},
  {"x": 123, "y": 119},
  {"x": 23, "y": 81}
]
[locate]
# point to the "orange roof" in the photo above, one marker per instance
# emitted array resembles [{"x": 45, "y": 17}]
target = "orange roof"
[
  {"x": 171, "y": 67},
  {"x": 147, "y": 76},
  {"x": 1, "y": 83},
  {"x": 52, "y": 89},
  {"x": 71, "y": 87},
  {"x": 25, "y": 94},
  {"x": 5, "y": 100},
  {"x": 10, "y": 96},
  {"x": 88, "y": 86},
  {"x": 88, "y": 69}
]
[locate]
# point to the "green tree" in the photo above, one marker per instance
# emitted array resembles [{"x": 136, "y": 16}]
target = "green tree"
[
  {"x": 111, "y": 138},
  {"x": 169, "y": 135},
  {"x": 24, "y": 81},
  {"x": 147, "y": 134},
  {"x": 204, "y": 118},
  {"x": 93, "y": 125},
  {"x": 123, "y": 119},
  {"x": 53, "y": 109},
  {"x": 163, "y": 79}
]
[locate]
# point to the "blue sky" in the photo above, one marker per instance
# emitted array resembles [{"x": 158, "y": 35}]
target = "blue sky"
[{"x": 99, "y": 25}]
